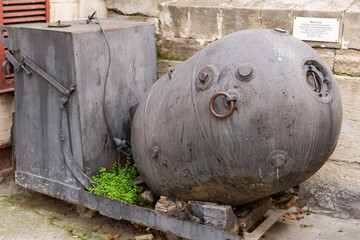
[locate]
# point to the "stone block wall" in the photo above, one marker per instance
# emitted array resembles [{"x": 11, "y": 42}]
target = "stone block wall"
[
  {"x": 68, "y": 10},
  {"x": 6, "y": 110},
  {"x": 185, "y": 26},
  {"x": 64, "y": 10}
]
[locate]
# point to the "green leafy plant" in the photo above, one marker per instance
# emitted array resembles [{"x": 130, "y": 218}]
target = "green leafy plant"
[{"x": 117, "y": 184}]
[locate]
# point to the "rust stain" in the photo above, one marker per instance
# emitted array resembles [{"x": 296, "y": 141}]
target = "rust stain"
[
  {"x": 252, "y": 100},
  {"x": 200, "y": 193},
  {"x": 247, "y": 139},
  {"x": 113, "y": 28},
  {"x": 210, "y": 118},
  {"x": 105, "y": 29}
]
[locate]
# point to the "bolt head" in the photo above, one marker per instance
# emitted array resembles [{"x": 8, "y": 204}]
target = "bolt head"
[
  {"x": 204, "y": 76},
  {"x": 244, "y": 71},
  {"x": 278, "y": 160},
  {"x": 154, "y": 151},
  {"x": 280, "y": 30},
  {"x": 171, "y": 72}
]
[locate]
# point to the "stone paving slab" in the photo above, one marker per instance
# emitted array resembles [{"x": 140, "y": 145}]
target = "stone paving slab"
[{"x": 323, "y": 227}]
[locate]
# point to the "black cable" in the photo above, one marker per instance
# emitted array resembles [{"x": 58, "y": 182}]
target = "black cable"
[
  {"x": 121, "y": 144},
  {"x": 94, "y": 15}
]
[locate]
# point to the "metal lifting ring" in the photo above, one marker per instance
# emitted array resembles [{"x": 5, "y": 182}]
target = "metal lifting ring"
[{"x": 230, "y": 103}]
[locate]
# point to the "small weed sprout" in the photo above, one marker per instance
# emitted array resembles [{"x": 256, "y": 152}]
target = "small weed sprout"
[{"x": 117, "y": 184}]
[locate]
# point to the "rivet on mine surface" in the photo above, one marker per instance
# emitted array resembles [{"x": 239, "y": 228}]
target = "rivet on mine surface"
[
  {"x": 171, "y": 72},
  {"x": 154, "y": 151},
  {"x": 204, "y": 76},
  {"x": 244, "y": 71},
  {"x": 278, "y": 158},
  {"x": 280, "y": 30}
]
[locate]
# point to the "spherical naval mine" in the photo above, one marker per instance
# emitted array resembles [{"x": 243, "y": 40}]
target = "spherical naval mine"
[{"x": 250, "y": 115}]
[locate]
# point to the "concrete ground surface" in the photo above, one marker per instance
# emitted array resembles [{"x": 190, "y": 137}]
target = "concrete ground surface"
[
  {"x": 29, "y": 215},
  {"x": 26, "y": 215},
  {"x": 314, "y": 226}
]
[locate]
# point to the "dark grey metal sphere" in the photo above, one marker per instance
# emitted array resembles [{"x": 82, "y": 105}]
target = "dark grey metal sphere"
[{"x": 275, "y": 119}]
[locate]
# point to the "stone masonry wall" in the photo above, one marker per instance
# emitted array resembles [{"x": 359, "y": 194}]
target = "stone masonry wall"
[
  {"x": 68, "y": 10},
  {"x": 186, "y": 26},
  {"x": 6, "y": 110}
]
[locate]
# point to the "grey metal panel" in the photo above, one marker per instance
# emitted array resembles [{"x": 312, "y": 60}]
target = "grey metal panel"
[
  {"x": 37, "y": 105},
  {"x": 78, "y": 56},
  {"x": 132, "y": 72}
]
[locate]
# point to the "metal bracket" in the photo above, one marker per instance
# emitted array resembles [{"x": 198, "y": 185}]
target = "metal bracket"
[
  {"x": 12, "y": 40},
  {"x": 21, "y": 66},
  {"x": 231, "y": 98},
  {"x": 84, "y": 180},
  {"x": 123, "y": 146},
  {"x": 70, "y": 161},
  {"x": 11, "y": 59},
  {"x": 25, "y": 61}
]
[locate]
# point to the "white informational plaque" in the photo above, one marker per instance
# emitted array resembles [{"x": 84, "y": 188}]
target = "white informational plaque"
[{"x": 316, "y": 29}]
